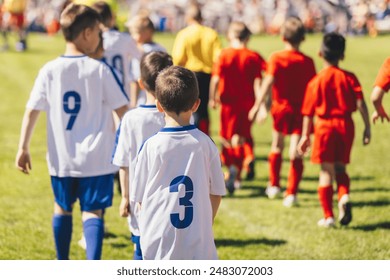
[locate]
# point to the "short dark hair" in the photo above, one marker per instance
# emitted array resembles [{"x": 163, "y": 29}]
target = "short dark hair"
[
  {"x": 177, "y": 89},
  {"x": 333, "y": 47},
  {"x": 293, "y": 30},
  {"x": 239, "y": 30},
  {"x": 141, "y": 23},
  {"x": 194, "y": 12},
  {"x": 75, "y": 19},
  {"x": 104, "y": 10},
  {"x": 151, "y": 65}
]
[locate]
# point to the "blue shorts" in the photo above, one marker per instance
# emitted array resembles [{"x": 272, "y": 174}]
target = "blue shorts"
[{"x": 94, "y": 193}]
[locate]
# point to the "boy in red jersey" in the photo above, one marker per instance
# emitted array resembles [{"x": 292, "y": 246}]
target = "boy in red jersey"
[
  {"x": 288, "y": 72},
  {"x": 332, "y": 95},
  {"x": 236, "y": 77},
  {"x": 382, "y": 85}
]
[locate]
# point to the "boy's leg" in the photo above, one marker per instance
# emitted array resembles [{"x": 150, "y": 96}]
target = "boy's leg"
[
  {"x": 296, "y": 166},
  {"x": 62, "y": 229},
  {"x": 93, "y": 227},
  {"x": 343, "y": 185},
  {"x": 325, "y": 193},
  {"x": 275, "y": 164},
  {"x": 249, "y": 159}
]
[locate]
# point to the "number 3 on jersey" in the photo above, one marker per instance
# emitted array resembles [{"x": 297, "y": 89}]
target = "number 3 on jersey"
[
  {"x": 183, "y": 201},
  {"x": 72, "y": 104}
]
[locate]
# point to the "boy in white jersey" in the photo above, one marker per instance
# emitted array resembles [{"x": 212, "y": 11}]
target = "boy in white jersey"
[
  {"x": 119, "y": 49},
  {"x": 78, "y": 94},
  {"x": 141, "y": 29},
  {"x": 136, "y": 127},
  {"x": 178, "y": 178}
]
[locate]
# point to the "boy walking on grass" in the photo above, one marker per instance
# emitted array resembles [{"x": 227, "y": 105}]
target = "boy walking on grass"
[
  {"x": 332, "y": 96},
  {"x": 178, "y": 178},
  {"x": 78, "y": 94}
]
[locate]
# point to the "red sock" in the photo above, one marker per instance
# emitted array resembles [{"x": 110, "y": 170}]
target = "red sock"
[
  {"x": 343, "y": 183},
  {"x": 203, "y": 125},
  {"x": 249, "y": 156},
  {"x": 325, "y": 194},
  {"x": 275, "y": 164},
  {"x": 239, "y": 159},
  {"x": 228, "y": 156},
  {"x": 294, "y": 176}
]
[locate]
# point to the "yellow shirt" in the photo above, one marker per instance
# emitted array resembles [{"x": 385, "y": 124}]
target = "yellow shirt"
[
  {"x": 14, "y": 6},
  {"x": 196, "y": 47},
  {"x": 112, "y": 3}
]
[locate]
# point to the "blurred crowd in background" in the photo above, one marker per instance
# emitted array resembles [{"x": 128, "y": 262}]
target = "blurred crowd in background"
[{"x": 349, "y": 17}]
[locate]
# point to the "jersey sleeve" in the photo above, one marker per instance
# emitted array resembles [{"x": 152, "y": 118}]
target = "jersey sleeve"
[
  {"x": 217, "y": 182},
  {"x": 122, "y": 149},
  {"x": 140, "y": 177},
  {"x": 272, "y": 66},
  {"x": 310, "y": 99},
  {"x": 38, "y": 95},
  {"x": 383, "y": 78},
  {"x": 114, "y": 93},
  {"x": 355, "y": 86}
]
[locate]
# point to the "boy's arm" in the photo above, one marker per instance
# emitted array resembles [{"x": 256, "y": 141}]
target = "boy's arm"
[
  {"x": 124, "y": 208},
  {"x": 134, "y": 93},
  {"x": 121, "y": 110},
  {"x": 265, "y": 90},
  {"x": 361, "y": 104},
  {"x": 213, "y": 94},
  {"x": 215, "y": 202},
  {"x": 376, "y": 99},
  {"x": 304, "y": 142},
  {"x": 23, "y": 159}
]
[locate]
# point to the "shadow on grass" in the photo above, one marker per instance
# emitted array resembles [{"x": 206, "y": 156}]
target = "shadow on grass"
[
  {"x": 373, "y": 203},
  {"x": 373, "y": 189},
  {"x": 353, "y": 178},
  {"x": 246, "y": 242},
  {"x": 372, "y": 227}
]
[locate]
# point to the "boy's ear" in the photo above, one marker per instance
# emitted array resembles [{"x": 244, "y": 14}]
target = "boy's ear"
[
  {"x": 196, "y": 105},
  {"x": 159, "y": 107},
  {"x": 141, "y": 84}
]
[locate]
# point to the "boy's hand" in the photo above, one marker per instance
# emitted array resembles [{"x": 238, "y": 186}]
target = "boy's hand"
[
  {"x": 303, "y": 145},
  {"x": 380, "y": 114},
  {"x": 261, "y": 114},
  {"x": 124, "y": 207},
  {"x": 366, "y": 136},
  {"x": 252, "y": 113},
  {"x": 23, "y": 161}
]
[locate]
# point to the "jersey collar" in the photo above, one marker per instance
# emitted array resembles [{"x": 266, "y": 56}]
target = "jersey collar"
[
  {"x": 147, "y": 106},
  {"x": 178, "y": 128}
]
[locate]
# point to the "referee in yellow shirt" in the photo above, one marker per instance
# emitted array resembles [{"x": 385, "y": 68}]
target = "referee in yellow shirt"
[{"x": 196, "y": 47}]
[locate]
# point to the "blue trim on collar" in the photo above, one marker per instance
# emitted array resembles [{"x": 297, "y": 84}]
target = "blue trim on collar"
[
  {"x": 147, "y": 106},
  {"x": 178, "y": 128}
]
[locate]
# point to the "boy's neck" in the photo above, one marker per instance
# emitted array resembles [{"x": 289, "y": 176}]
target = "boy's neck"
[
  {"x": 150, "y": 99},
  {"x": 237, "y": 44},
  {"x": 291, "y": 47},
  {"x": 331, "y": 63},
  {"x": 175, "y": 120},
  {"x": 72, "y": 50}
]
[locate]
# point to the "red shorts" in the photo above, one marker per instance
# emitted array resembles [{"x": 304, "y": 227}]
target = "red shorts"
[
  {"x": 333, "y": 140},
  {"x": 287, "y": 121},
  {"x": 234, "y": 120},
  {"x": 14, "y": 19}
]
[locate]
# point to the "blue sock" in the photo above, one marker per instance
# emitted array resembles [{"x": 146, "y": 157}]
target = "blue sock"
[
  {"x": 137, "y": 249},
  {"x": 62, "y": 229},
  {"x": 94, "y": 233}
]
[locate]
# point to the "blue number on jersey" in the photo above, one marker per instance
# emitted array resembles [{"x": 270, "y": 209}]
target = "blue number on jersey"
[
  {"x": 117, "y": 63},
  {"x": 184, "y": 201},
  {"x": 71, "y": 111}
]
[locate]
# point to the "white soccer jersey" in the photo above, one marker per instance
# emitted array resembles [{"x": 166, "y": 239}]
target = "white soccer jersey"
[
  {"x": 136, "y": 127},
  {"x": 136, "y": 70},
  {"x": 176, "y": 171},
  {"x": 119, "y": 50},
  {"x": 78, "y": 94}
]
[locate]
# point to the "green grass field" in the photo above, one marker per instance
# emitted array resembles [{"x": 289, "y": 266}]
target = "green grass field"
[{"x": 248, "y": 225}]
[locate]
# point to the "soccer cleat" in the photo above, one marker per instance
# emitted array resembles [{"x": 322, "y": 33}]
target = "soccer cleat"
[
  {"x": 345, "y": 210},
  {"x": 326, "y": 222},
  {"x": 250, "y": 175},
  {"x": 230, "y": 182},
  {"x": 290, "y": 200},
  {"x": 272, "y": 192}
]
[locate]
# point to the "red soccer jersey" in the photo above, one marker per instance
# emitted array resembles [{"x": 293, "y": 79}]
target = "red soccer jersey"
[
  {"x": 383, "y": 78},
  {"x": 237, "y": 70},
  {"x": 332, "y": 93},
  {"x": 292, "y": 70}
]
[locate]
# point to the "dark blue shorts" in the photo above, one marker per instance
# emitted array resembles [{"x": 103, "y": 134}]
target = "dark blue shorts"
[{"x": 94, "y": 193}]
